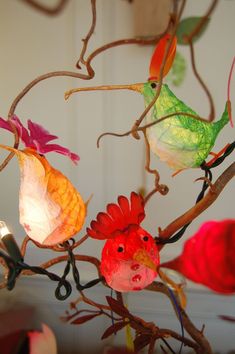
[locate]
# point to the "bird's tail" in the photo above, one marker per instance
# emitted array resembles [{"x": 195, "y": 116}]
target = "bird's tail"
[{"x": 223, "y": 120}]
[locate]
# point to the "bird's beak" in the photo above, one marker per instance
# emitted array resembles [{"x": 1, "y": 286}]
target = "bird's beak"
[
  {"x": 134, "y": 87},
  {"x": 142, "y": 257}
]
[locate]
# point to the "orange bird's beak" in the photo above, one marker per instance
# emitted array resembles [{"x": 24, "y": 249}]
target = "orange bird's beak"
[{"x": 142, "y": 257}]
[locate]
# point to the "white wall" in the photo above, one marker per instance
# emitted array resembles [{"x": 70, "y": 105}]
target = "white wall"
[{"x": 33, "y": 44}]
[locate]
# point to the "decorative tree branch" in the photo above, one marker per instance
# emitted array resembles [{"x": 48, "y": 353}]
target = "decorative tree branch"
[
  {"x": 202, "y": 22},
  {"x": 51, "y": 11},
  {"x": 196, "y": 210},
  {"x": 189, "y": 40},
  {"x": 87, "y": 62},
  {"x": 147, "y": 334},
  {"x": 202, "y": 83},
  {"x": 203, "y": 345}
]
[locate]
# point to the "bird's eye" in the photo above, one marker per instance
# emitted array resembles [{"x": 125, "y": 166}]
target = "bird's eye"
[
  {"x": 145, "y": 238},
  {"x": 120, "y": 249},
  {"x": 153, "y": 85}
]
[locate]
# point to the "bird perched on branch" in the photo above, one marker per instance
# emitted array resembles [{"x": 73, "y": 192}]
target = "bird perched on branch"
[
  {"x": 182, "y": 140},
  {"x": 130, "y": 256}
]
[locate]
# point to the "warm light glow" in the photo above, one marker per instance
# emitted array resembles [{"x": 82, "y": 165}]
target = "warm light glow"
[{"x": 3, "y": 229}]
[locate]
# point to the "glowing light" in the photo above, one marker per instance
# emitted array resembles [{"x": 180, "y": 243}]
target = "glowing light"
[{"x": 3, "y": 229}]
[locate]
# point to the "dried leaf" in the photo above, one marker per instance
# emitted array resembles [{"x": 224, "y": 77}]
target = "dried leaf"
[
  {"x": 141, "y": 341},
  {"x": 84, "y": 319},
  {"x": 227, "y": 318},
  {"x": 117, "y": 307},
  {"x": 114, "y": 328},
  {"x": 186, "y": 27}
]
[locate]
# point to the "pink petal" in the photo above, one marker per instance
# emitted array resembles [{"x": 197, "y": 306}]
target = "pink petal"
[
  {"x": 37, "y": 132},
  {"x": 22, "y": 131},
  {"x": 37, "y": 138},
  {"x": 44, "y": 149},
  {"x": 42, "y": 342},
  {"x": 5, "y": 124}
]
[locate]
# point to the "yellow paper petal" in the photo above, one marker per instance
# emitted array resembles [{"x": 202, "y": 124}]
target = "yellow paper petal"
[
  {"x": 51, "y": 209},
  {"x": 129, "y": 339}
]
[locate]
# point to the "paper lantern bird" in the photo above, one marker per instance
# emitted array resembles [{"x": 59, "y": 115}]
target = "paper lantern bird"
[
  {"x": 208, "y": 257},
  {"x": 181, "y": 140},
  {"x": 130, "y": 256},
  {"x": 51, "y": 209},
  {"x": 29, "y": 342},
  {"x": 42, "y": 342}
]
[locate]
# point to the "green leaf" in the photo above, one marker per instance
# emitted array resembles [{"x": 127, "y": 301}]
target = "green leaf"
[
  {"x": 178, "y": 71},
  {"x": 187, "y": 26}
]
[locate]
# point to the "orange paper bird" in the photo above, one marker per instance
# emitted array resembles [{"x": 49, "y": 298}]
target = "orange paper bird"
[
  {"x": 130, "y": 256},
  {"x": 51, "y": 209}
]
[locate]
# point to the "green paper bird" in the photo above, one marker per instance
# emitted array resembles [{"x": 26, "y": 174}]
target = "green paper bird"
[{"x": 182, "y": 141}]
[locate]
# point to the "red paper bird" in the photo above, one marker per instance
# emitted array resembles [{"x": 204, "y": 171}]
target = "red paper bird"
[
  {"x": 208, "y": 257},
  {"x": 130, "y": 256}
]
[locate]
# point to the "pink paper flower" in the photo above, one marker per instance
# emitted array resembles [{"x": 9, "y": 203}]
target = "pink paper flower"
[{"x": 37, "y": 138}]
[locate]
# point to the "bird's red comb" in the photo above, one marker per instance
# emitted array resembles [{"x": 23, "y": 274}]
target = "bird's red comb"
[
  {"x": 158, "y": 56},
  {"x": 118, "y": 217}
]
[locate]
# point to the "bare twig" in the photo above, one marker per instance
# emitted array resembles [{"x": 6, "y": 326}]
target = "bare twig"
[
  {"x": 24, "y": 245},
  {"x": 161, "y": 188},
  {"x": 202, "y": 83},
  {"x": 202, "y": 22},
  {"x": 202, "y": 205},
  {"x": 88, "y": 36},
  {"x": 189, "y": 39},
  {"x": 201, "y": 345},
  {"x": 149, "y": 125},
  {"x": 54, "y": 261},
  {"x": 51, "y": 11}
]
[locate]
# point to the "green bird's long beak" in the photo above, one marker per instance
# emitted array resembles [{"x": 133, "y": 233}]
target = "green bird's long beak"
[
  {"x": 133, "y": 87},
  {"x": 142, "y": 257}
]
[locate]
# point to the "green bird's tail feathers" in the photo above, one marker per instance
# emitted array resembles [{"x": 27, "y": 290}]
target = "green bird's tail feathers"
[{"x": 223, "y": 120}]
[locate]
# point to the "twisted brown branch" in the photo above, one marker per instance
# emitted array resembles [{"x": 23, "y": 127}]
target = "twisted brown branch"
[
  {"x": 202, "y": 205},
  {"x": 202, "y": 22},
  {"x": 202, "y": 83},
  {"x": 51, "y": 11},
  {"x": 189, "y": 39},
  {"x": 201, "y": 345}
]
